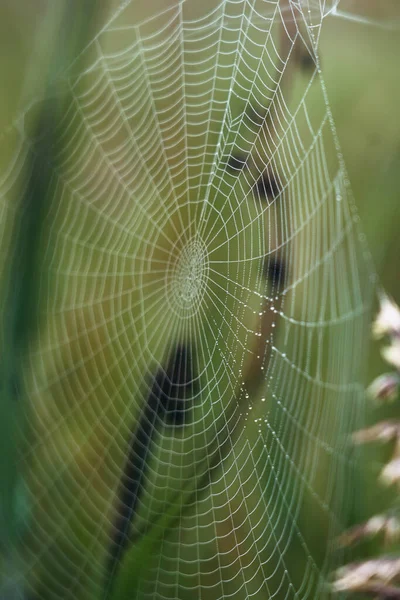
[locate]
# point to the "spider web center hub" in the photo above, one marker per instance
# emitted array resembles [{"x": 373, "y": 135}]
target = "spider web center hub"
[{"x": 189, "y": 276}]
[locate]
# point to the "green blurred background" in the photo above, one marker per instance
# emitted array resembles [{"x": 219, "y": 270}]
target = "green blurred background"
[
  {"x": 359, "y": 59},
  {"x": 360, "y": 66}
]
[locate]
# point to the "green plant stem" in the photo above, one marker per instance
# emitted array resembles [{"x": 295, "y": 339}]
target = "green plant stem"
[{"x": 20, "y": 315}]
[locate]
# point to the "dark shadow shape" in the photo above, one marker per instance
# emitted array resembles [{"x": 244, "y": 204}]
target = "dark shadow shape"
[
  {"x": 267, "y": 187},
  {"x": 236, "y": 163},
  {"x": 307, "y": 62},
  {"x": 171, "y": 391},
  {"x": 275, "y": 271}
]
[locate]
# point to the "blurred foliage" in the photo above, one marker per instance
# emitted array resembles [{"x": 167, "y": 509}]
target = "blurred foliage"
[
  {"x": 361, "y": 75},
  {"x": 363, "y": 88}
]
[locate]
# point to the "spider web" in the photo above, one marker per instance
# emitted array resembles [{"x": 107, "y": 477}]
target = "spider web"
[{"x": 204, "y": 291}]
